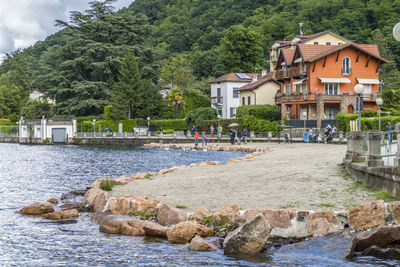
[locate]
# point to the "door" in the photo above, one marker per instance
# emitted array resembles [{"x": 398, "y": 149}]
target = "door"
[{"x": 59, "y": 135}]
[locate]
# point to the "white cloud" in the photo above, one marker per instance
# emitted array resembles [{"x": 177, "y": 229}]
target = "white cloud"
[{"x": 24, "y": 22}]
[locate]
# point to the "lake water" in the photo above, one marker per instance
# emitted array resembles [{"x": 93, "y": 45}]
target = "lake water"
[{"x": 36, "y": 173}]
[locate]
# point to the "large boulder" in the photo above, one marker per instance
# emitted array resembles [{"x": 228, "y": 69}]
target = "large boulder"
[
  {"x": 61, "y": 215},
  {"x": 184, "y": 232},
  {"x": 201, "y": 214},
  {"x": 394, "y": 208},
  {"x": 37, "y": 208},
  {"x": 380, "y": 236},
  {"x": 277, "y": 218},
  {"x": 227, "y": 215},
  {"x": 321, "y": 223},
  {"x": 199, "y": 244},
  {"x": 168, "y": 215},
  {"x": 367, "y": 216},
  {"x": 249, "y": 238},
  {"x": 123, "y": 225},
  {"x": 96, "y": 199},
  {"x": 155, "y": 229},
  {"x": 383, "y": 253},
  {"x": 123, "y": 205},
  {"x": 145, "y": 207}
]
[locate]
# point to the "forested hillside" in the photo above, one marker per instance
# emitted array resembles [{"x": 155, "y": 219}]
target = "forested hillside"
[{"x": 183, "y": 42}]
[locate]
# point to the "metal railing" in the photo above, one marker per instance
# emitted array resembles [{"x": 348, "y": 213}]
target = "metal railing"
[{"x": 217, "y": 100}]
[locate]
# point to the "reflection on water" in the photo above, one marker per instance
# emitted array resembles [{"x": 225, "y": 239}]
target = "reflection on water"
[{"x": 36, "y": 173}]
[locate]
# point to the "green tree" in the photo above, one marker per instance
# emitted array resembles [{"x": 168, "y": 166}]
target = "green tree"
[
  {"x": 175, "y": 98},
  {"x": 35, "y": 109},
  {"x": 241, "y": 50}
]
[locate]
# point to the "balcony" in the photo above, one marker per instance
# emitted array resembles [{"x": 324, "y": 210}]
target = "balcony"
[
  {"x": 298, "y": 73},
  {"x": 217, "y": 100},
  {"x": 282, "y": 75},
  {"x": 294, "y": 97},
  {"x": 311, "y": 96}
]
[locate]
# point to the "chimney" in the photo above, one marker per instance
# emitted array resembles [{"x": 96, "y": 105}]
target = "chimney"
[
  {"x": 254, "y": 79},
  {"x": 263, "y": 72}
]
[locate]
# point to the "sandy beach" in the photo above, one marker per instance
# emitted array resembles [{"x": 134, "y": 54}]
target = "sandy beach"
[{"x": 299, "y": 176}]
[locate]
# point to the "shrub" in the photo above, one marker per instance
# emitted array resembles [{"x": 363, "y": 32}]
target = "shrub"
[
  {"x": 177, "y": 124},
  {"x": 369, "y": 113},
  {"x": 254, "y": 124},
  {"x": 107, "y": 113},
  {"x": 166, "y": 131},
  {"x": 8, "y": 129},
  {"x": 343, "y": 121},
  {"x": 5, "y": 121},
  {"x": 264, "y": 112},
  {"x": 199, "y": 115},
  {"x": 107, "y": 184},
  {"x": 14, "y": 117}
]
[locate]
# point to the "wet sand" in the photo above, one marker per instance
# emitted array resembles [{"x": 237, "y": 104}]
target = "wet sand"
[{"x": 299, "y": 176}]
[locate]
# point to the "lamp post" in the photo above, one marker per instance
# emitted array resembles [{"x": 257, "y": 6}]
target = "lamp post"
[
  {"x": 379, "y": 102},
  {"x": 305, "y": 117},
  {"x": 148, "y": 123},
  {"x": 359, "y": 89},
  {"x": 396, "y": 32},
  {"x": 219, "y": 126},
  {"x": 94, "y": 128}
]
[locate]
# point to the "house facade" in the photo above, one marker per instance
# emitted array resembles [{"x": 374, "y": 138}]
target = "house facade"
[
  {"x": 260, "y": 92},
  {"x": 321, "y": 38},
  {"x": 36, "y": 95},
  {"x": 225, "y": 95},
  {"x": 317, "y": 81}
]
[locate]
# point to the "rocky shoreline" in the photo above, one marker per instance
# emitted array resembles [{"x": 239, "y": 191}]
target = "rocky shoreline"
[{"x": 371, "y": 227}]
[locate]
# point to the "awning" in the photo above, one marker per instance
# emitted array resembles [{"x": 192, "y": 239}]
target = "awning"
[
  {"x": 334, "y": 80},
  {"x": 368, "y": 81},
  {"x": 298, "y": 81}
]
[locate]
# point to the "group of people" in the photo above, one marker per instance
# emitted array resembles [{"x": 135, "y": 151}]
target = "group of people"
[
  {"x": 238, "y": 136},
  {"x": 311, "y": 136}
]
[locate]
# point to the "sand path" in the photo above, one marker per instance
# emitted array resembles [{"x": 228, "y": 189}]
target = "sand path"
[{"x": 300, "y": 176}]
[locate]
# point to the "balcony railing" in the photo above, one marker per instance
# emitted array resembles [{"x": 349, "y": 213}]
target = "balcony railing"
[
  {"x": 298, "y": 72},
  {"x": 282, "y": 74},
  {"x": 217, "y": 100},
  {"x": 308, "y": 96}
]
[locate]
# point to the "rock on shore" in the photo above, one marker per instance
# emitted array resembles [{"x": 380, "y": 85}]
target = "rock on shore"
[
  {"x": 37, "y": 208},
  {"x": 250, "y": 238}
]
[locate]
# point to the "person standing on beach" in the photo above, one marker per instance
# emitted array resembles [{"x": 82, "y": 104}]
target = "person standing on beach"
[
  {"x": 204, "y": 139},
  {"x": 232, "y": 135},
  {"x": 238, "y": 136},
  {"x": 196, "y": 138},
  {"x": 389, "y": 130},
  {"x": 244, "y": 135},
  {"x": 194, "y": 129},
  {"x": 212, "y": 130}
]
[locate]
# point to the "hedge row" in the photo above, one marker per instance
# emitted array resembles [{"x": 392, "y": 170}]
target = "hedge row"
[
  {"x": 8, "y": 129},
  {"x": 5, "y": 121},
  {"x": 177, "y": 125},
  {"x": 252, "y": 123},
  {"x": 263, "y": 112},
  {"x": 343, "y": 122}
]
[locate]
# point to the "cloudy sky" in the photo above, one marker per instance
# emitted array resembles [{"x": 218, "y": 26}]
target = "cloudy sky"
[{"x": 23, "y": 22}]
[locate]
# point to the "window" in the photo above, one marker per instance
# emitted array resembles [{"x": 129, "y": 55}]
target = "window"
[
  {"x": 36, "y": 96},
  {"x": 339, "y": 43},
  {"x": 346, "y": 68},
  {"x": 243, "y": 101},
  {"x": 235, "y": 92},
  {"x": 304, "y": 88},
  {"x": 287, "y": 89},
  {"x": 328, "y": 43},
  {"x": 248, "y": 100},
  {"x": 219, "y": 111},
  {"x": 331, "y": 88},
  {"x": 315, "y": 43},
  {"x": 218, "y": 92},
  {"x": 294, "y": 88},
  {"x": 232, "y": 112}
]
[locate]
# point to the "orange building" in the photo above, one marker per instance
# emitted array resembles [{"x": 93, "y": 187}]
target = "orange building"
[{"x": 318, "y": 80}]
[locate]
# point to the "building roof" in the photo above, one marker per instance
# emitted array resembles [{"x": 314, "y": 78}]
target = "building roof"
[
  {"x": 270, "y": 77},
  {"x": 305, "y": 38},
  {"x": 311, "y": 52},
  {"x": 233, "y": 77},
  {"x": 288, "y": 55}
]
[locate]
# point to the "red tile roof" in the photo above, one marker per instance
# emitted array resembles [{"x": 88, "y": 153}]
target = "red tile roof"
[
  {"x": 261, "y": 80},
  {"x": 314, "y": 52},
  {"x": 232, "y": 77},
  {"x": 288, "y": 54}
]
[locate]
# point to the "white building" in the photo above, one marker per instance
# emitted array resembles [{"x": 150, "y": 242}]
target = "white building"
[
  {"x": 225, "y": 94},
  {"x": 39, "y": 131}
]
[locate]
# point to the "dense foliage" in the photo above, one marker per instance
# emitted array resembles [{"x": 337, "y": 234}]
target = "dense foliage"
[
  {"x": 197, "y": 116},
  {"x": 264, "y": 112}
]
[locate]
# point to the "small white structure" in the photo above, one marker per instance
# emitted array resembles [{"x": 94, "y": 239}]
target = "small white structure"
[
  {"x": 50, "y": 131},
  {"x": 225, "y": 93}
]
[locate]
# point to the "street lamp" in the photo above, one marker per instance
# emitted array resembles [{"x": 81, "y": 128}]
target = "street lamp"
[
  {"x": 94, "y": 128},
  {"x": 305, "y": 117},
  {"x": 219, "y": 126},
  {"x": 148, "y": 123},
  {"x": 379, "y": 102},
  {"x": 359, "y": 89},
  {"x": 396, "y": 32}
]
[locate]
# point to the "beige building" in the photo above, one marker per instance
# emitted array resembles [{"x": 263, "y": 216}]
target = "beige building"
[
  {"x": 261, "y": 91},
  {"x": 321, "y": 38},
  {"x": 36, "y": 95}
]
